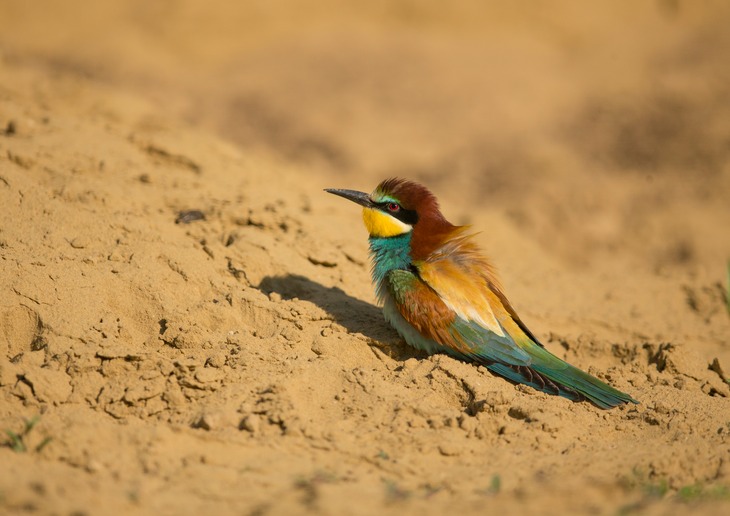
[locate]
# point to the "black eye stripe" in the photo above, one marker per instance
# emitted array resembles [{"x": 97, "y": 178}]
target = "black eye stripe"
[{"x": 404, "y": 215}]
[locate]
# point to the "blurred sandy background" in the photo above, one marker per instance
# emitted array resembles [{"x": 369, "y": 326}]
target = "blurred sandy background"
[{"x": 237, "y": 364}]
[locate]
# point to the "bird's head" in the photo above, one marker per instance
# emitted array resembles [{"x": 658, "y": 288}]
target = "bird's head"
[{"x": 397, "y": 207}]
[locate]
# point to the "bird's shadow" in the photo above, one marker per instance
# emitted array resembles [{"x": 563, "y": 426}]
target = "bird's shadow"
[{"x": 355, "y": 315}]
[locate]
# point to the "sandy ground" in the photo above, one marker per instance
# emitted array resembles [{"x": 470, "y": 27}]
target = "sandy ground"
[{"x": 238, "y": 364}]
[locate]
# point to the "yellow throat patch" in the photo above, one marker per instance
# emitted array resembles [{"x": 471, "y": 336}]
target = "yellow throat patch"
[{"x": 382, "y": 225}]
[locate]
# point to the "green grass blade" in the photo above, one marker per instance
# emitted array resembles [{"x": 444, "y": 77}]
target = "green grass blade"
[
  {"x": 16, "y": 442},
  {"x": 727, "y": 287}
]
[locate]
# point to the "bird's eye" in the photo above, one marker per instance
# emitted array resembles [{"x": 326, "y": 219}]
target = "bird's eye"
[{"x": 393, "y": 207}]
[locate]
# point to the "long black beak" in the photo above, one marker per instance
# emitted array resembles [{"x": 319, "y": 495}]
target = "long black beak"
[{"x": 360, "y": 198}]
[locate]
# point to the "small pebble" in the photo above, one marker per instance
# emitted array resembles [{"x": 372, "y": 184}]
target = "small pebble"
[
  {"x": 79, "y": 242},
  {"x": 188, "y": 216},
  {"x": 251, "y": 423},
  {"x": 209, "y": 421}
]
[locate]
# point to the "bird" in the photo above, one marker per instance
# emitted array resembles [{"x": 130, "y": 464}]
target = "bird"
[{"x": 442, "y": 295}]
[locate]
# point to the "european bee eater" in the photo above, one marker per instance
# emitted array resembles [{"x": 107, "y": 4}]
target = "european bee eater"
[{"x": 442, "y": 295}]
